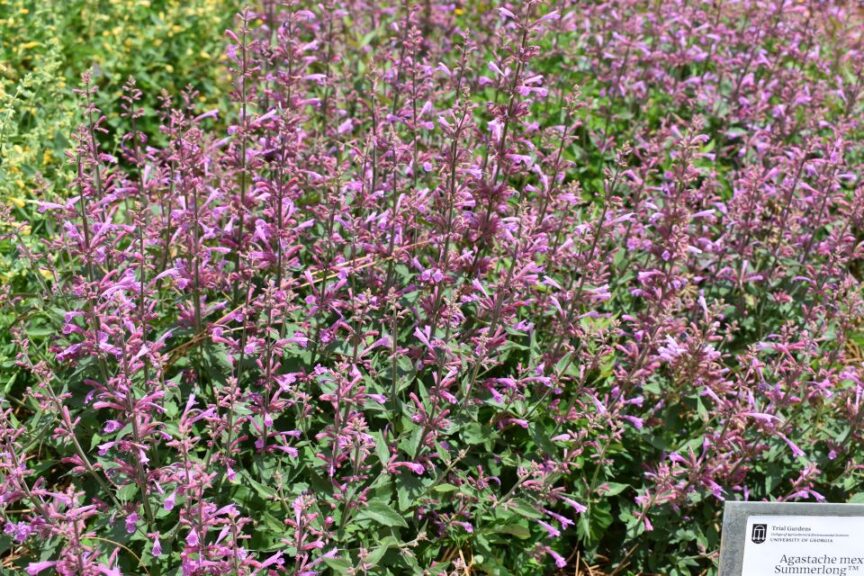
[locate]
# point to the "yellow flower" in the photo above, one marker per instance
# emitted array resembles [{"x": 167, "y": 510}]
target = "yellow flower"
[
  {"x": 46, "y": 274},
  {"x": 17, "y": 201}
]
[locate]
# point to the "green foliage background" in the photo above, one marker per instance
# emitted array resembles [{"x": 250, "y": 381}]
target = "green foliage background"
[{"x": 45, "y": 46}]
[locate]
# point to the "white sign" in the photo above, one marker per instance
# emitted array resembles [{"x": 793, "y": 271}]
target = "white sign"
[{"x": 804, "y": 545}]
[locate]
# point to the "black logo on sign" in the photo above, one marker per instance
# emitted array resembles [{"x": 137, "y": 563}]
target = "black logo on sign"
[{"x": 760, "y": 531}]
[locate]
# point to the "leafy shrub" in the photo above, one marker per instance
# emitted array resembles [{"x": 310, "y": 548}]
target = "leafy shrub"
[
  {"x": 426, "y": 307},
  {"x": 44, "y": 48}
]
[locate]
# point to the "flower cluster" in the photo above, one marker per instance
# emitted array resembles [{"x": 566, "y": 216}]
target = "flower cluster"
[{"x": 493, "y": 288}]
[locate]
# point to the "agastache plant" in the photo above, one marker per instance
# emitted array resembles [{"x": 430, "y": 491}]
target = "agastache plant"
[{"x": 502, "y": 287}]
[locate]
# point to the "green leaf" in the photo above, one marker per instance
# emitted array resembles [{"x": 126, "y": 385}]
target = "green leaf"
[
  {"x": 525, "y": 509},
  {"x": 127, "y": 493},
  {"x": 263, "y": 491},
  {"x": 40, "y": 331},
  {"x": 613, "y": 488},
  {"x": 411, "y": 444},
  {"x": 445, "y": 488},
  {"x": 475, "y": 433},
  {"x": 518, "y": 530},
  {"x": 541, "y": 438},
  {"x": 408, "y": 490},
  {"x": 382, "y": 514},
  {"x": 592, "y": 524},
  {"x": 375, "y": 556},
  {"x": 272, "y": 523},
  {"x": 339, "y": 565},
  {"x": 381, "y": 449}
]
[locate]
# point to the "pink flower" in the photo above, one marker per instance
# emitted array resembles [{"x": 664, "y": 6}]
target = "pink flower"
[
  {"x": 37, "y": 567},
  {"x": 415, "y": 467},
  {"x": 192, "y": 538},
  {"x": 560, "y": 562},
  {"x": 551, "y": 530},
  {"x": 579, "y": 508},
  {"x": 131, "y": 523}
]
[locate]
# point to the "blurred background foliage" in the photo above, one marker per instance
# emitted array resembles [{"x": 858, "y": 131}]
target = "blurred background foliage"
[{"x": 45, "y": 46}]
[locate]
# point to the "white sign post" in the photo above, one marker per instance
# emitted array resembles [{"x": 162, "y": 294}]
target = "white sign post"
[{"x": 763, "y": 539}]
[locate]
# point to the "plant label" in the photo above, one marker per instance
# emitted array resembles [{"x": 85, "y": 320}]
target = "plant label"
[{"x": 762, "y": 539}]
